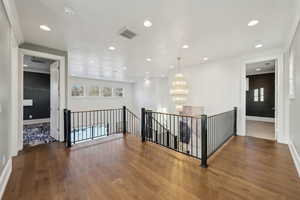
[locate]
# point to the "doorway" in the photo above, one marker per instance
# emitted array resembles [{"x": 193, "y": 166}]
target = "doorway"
[
  {"x": 261, "y": 99},
  {"x": 40, "y": 100},
  {"x": 56, "y": 86}
]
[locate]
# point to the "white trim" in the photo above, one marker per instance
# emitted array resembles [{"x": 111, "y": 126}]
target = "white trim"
[
  {"x": 62, "y": 93},
  {"x": 295, "y": 156},
  {"x": 4, "y": 177},
  {"x": 35, "y": 71},
  {"x": 258, "y": 73},
  {"x": 101, "y": 79},
  {"x": 279, "y": 95},
  {"x": 36, "y": 121},
  {"x": 13, "y": 17},
  {"x": 14, "y": 95},
  {"x": 261, "y": 119}
]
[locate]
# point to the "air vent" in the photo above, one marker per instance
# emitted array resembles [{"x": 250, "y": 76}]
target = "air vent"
[
  {"x": 125, "y": 32},
  {"x": 38, "y": 60}
]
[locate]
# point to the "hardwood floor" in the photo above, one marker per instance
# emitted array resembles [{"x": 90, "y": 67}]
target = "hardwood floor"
[
  {"x": 246, "y": 168},
  {"x": 264, "y": 130}
]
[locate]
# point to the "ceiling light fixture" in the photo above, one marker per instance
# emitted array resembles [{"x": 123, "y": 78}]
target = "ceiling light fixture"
[
  {"x": 25, "y": 65},
  {"x": 147, "y": 23},
  {"x": 258, "y": 69},
  {"x": 185, "y": 46},
  {"x": 124, "y": 68},
  {"x": 149, "y": 59},
  {"x": 258, "y": 46},
  {"x": 112, "y": 48},
  {"x": 45, "y": 28},
  {"x": 253, "y": 22},
  {"x": 179, "y": 89},
  {"x": 205, "y": 58}
]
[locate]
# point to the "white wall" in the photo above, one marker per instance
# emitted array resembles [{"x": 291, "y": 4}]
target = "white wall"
[
  {"x": 294, "y": 106},
  {"x": 93, "y": 103},
  {"x": 5, "y": 91},
  {"x": 152, "y": 95},
  {"x": 218, "y": 86}
]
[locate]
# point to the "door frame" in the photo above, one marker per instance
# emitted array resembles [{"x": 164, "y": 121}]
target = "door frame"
[
  {"x": 279, "y": 96},
  {"x": 62, "y": 93}
]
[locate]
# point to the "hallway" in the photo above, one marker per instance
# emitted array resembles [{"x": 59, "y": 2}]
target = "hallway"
[{"x": 246, "y": 168}]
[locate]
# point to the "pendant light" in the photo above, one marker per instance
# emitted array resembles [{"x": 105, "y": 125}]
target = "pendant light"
[{"x": 179, "y": 88}]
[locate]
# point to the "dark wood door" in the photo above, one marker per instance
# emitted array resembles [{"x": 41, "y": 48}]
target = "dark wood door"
[{"x": 260, "y": 98}]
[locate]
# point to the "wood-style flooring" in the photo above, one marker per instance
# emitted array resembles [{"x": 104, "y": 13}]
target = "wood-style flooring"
[
  {"x": 264, "y": 130},
  {"x": 126, "y": 169}
]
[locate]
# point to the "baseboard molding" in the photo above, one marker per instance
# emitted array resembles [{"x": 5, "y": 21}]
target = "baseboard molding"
[
  {"x": 36, "y": 121},
  {"x": 4, "y": 177},
  {"x": 261, "y": 119},
  {"x": 295, "y": 156}
]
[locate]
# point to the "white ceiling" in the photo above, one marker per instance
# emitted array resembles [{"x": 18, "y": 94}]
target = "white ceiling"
[
  {"x": 212, "y": 28},
  {"x": 267, "y": 66}
]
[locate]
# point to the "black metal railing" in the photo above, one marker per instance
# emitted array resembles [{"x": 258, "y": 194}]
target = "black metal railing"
[
  {"x": 133, "y": 123},
  {"x": 220, "y": 128},
  {"x": 198, "y": 137},
  {"x": 83, "y": 126}
]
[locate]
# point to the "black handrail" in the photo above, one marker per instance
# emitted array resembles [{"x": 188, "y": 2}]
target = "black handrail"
[
  {"x": 183, "y": 134},
  {"x": 88, "y": 125}
]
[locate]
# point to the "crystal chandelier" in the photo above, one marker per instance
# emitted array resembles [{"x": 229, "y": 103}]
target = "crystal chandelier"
[{"x": 179, "y": 89}]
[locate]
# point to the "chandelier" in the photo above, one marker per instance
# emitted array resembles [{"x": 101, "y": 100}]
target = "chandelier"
[{"x": 179, "y": 89}]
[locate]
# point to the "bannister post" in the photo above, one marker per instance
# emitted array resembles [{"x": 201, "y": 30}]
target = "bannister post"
[
  {"x": 235, "y": 121},
  {"x": 67, "y": 123},
  {"x": 124, "y": 120},
  {"x": 143, "y": 131},
  {"x": 204, "y": 141},
  {"x": 149, "y": 121}
]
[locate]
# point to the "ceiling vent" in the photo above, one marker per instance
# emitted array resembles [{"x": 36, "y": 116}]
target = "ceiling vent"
[
  {"x": 125, "y": 32},
  {"x": 38, "y": 60}
]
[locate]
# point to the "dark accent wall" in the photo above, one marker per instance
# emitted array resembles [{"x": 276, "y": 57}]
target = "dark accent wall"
[
  {"x": 37, "y": 88},
  {"x": 265, "y": 108}
]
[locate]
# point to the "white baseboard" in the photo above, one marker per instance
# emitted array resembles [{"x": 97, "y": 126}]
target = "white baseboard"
[
  {"x": 295, "y": 156},
  {"x": 36, "y": 121},
  {"x": 4, "y": 177},
  {"x": 261, "y": 119}
]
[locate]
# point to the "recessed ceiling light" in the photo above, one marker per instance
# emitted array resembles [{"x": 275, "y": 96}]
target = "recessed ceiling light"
[
  {"x": 253, "y": 22},
  {"x": 25, "y": 65},
  {"x": 258, "y": 46},
  {"x": 205, "y": 58},
  {"x": 149, "y": 59},
  {"x": 147, "y": 81},
  {"x": 185, "y": 46},
  {"x": 45, "y": 28},
  {"x": 171, "y": 66},
  {"x": 69, "y": 11},
  {"x": 258, "y": 69},
  {"x": 147, "y": 23},
  {"x": 112, "y": 48},
  {"x": 124, "y": 68}
]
